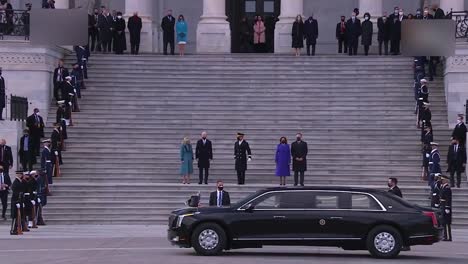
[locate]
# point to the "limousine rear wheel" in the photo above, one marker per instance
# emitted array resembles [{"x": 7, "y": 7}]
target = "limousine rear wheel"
[
  {"x": 384, "y": 242},
  {"x": 208, "y": 239}
]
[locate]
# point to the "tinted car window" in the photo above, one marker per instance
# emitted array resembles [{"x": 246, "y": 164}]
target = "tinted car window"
[
  {"x": 326, "y": 201},
  {"x": 285, "y": 200},
  {"x": 363, "y": 202}
]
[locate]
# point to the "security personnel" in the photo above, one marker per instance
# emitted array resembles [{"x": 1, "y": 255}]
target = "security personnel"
[
  {"x": 46, "y": 161},
  {"x": 18, "y": 189},
  {"x": 56, "y": 149},
  {"x": 446, "y": 208},
  {"x": 242, "y": 154},
  {"x": 435, "y": 191},
  {"x": 426, "y": 140},
  {"x": 31, "y": 202},
  {"x": 28, "y": 201},
  {"x": 434, "y": 162},
  {"x": 425, "y": 116},
  {"x": 41, "y": 199}
]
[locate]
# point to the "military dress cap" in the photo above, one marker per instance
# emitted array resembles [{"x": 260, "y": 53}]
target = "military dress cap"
[
  {"x": 461, "y": 115},
  {"x": 434, "y": 144},
  {"x": 240, "y": 134},
  {"x": 437, "y": 175},
  {"x": 423, "y": 80},
  {"x": 28, "y": 4},
  {"x": 46, "y": 141},
  {"x": 68, "y": 78},
  {"x": 61, "y": 102}
]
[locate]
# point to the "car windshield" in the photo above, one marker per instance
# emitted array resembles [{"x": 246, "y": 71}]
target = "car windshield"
[{"x": 247, "y": 199}]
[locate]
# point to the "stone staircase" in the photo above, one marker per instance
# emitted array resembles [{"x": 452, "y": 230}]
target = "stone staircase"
[{"x": 122, "y": 159}]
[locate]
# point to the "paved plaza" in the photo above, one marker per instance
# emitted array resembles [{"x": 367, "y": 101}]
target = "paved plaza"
[{"x": 148, "y": 244}]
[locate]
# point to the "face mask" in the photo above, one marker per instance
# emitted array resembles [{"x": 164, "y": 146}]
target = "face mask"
[
  {"x": 119, "y": 17},
  {"x": 238, "y": 138},
  {"x": 384, "y": 18},
  {"x": 96, "y": 13},
  {"x": 353, "y": 16},
  {"x": 342, "y": 19},
  {"x": 401, "y": 13},
  {"x": 458, "y": 121},
  {"x": 220, "y": 188},
  {"x": 298, "y": 138},
  {"x": 396, "y": 12},
  {"x": 283, "y": 141},
  {"x": 204, "y": 137},
  {"x": 366, "y": 18},
  {"x": 389, "y": 185},
  {"x": 418, "y": 13}
]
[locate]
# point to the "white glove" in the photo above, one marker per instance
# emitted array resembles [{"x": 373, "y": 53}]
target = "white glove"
[
  {"x": 427, "y": 155},
  {"x": 39, "y": 200},
  {"x": 24, "y": 206},
  {"x": 33, "y": 203},
  {"x": 69, "y": 103},
  {"x": 56, "y": 153},
  {"x": 74, "y": 90},
  {"x": 249, "y": 159},
  {"x": 431, "y": 162},
  {"x": 447, "y": 211},
  {"x": 18, "y": 205}
]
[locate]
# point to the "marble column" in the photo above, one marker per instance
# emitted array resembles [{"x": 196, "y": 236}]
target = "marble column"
[
  {"x": 62, "y": 4},
  {"x": 289, "y": 10},
  {"x": 455, "y": 5},
  {"x": 145, "y": 12},
  {"x": 213, "y": 32}
]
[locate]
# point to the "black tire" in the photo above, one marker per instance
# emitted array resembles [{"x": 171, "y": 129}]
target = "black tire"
[
  {"x": 391, "y": 242},
  {"x": 213, "y": 233}
]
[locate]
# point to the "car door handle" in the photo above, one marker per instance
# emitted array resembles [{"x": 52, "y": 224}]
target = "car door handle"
[
  {"x": 279, "y": 217},
  {"x": 336, "y": 217}
]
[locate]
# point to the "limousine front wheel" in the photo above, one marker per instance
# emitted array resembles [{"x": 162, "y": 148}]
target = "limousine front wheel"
[
  {"x": 384, "y": 242},
  {"x": 208, "y": 239}
]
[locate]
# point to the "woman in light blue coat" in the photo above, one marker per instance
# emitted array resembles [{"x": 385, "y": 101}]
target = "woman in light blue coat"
[
  {"x": 181, "y": 30},
  {"x": 186, "y": 158}
]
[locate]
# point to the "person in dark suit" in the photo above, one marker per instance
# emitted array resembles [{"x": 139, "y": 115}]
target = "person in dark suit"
[
  {"x": 393, "y": 187},
  {"x": 311, "y": 34},
  {"x": 426, "y": 15},
  {"x": 105, "y": 29},
  {"x": 59, "y": 78},
  {"x": 2, "y": 94},
  {"x": 134, "y": 27},
  {"x": 446, "y": 208},
  {"x": 120, "y": 42},
  {"x": 167, "y": 25},
  {"x": 460, "y": 130},
  {"x": 456, "y": 161},
  {"x": 35, "y": 125},
  {"x": 438, "y": 12},
  {"x": 5, "y": 184},
  {"x": 46, "y": 161},
  {"x": 92, "y": 29},
  {"x": 297, "y": 35},
  {"x": 56, "y": 146},
  {"x": 242, "y": 154},
  {"x": 383, "y": 36},
  {"x": 203, "y": 154},
  {"x": 220, "y": 197},
  {"x": 6, "y": 157},
  {"x": 27, "y": 158},
  {"x": 367, "y": 33},
  {"x": 341, "y": 35},
  {"x": 353, "y": 31},
  {"x": 299, "y": 152},
  {"x": 395, "y": 31}
]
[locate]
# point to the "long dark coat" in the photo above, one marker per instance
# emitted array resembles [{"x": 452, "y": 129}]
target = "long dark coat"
[
  {"x": 395, "y": 27},
  {"x": 299, "y": 150},
  {"x": 134, "y": 27},
  {"x": 36, "y": 128},
  {"x": 120, "y": 43},
  {"x": 460, "y": 132},
  {"x": 311, "y": 31},
  {"x": 104, "y": 25},
  {"x": 298, "y": 35},
  {"x": 446, "y": 204},
  {"x": 455, "y": 160},
  {"x": 204, "y": 153},
  {"x": 384, "y": 29},
  {"x": 353, "y": 31},
  {"x": 2, "y": 92},
  {"x": 367, "y": 32},
  {"x": 241, "y": 153}
]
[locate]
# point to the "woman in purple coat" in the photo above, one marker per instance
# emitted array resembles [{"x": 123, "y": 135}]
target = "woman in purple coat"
[{"x": 283, "y": 159}]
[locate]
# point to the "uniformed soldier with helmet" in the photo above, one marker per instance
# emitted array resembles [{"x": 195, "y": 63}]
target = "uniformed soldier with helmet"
[
  {"x": 446, "y": 207},
  {"x": 242, "y": 154},
  {"x": 435, "y": 191}
]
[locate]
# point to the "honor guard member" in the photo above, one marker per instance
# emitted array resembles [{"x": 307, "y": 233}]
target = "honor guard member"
[
  {"x": 32, "y": 190},
  {"x": 435, "y": 191},
  {"x": 55, "y": 139},
  {"x": 446, "y": 208},
  {"x": 77, "y": 79},
  {"x": 46, "y": 161},
  {"x": 427, "y": 138},
  {"x": 81, "y": 60},
  {"x": 434, "y": 162},
  {"x": 28, "y": 201},
  {"x": 61, "y": 118},
  {"x": 242, "y": 154},
  {"x": 41, "y": 199},
  {"x": 17, "y": 188},
  {"x": 5, "y": 185},
  {"x": 425, "y": 116}
]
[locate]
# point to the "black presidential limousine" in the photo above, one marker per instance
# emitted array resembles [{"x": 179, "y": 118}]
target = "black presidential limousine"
[{"x": 346, "y": 217}]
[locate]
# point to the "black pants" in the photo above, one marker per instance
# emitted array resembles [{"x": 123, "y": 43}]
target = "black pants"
[
  {"x": 296, "y": 177},
  {"x": 342, "y": 43},
  {"x": 200, "y": 176},
  {"x": 4, "y": 198},
  {"x": 1, "y": 112},
  {"x": 35, "y": 145},
  {"x": 93, "y": 35},
  {"x": 57, "y": 88},
  {"x": 385, "y": 45},
  {"x": 168, "y": 38},
  {"x": 395, "y": 46},
  {"x": 134, "y": 43},
  {"x": 448, "y": 232},
  {"x": 366, "y": 50},
  {"x": 308, "y": 49},
  {"x": 352, "y": 47},
  {"x": 241, "y": 177},
  {"x": 27, "y": 160},
  {"x": 452, "y": 178}
]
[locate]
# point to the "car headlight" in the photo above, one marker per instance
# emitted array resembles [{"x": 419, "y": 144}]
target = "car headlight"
[{"x": 180, "y": 218}]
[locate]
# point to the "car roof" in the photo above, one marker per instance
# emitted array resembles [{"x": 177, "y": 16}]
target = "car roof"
[{"x": 325, "y": 188}]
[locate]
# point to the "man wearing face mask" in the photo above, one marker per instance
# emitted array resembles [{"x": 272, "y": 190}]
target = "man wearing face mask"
[
  {"x": 341, "y": 35},
  {"x": 353, "y": 31},
  {"x": 395, "y": 30},
  {"x": 299, "y": 153},
  {"x": 59, "y": 78},
  {"x": 367, "y": 33},
  {"x": 426, "y": 14},
  {"x": 383, "y": 36},
  {"x": 460, "y": 130},
  {"x": 311, "y": 34},
  {"x": 220, "y": 197},
  {"x": 418, "y": 14},
  {"x": 438, "y": 12},
  {"x": 119, "y": 41},
  {"x": 203, "y": 154},
  {"x": 167, "y": 25},
  {"x": 242, "y": 154},
  {"x": 393, "y": 188},
  {"x": 35, "y": 124},
  {"x": 2, "y": 94}
]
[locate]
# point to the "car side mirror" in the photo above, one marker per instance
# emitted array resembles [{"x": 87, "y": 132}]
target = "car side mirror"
[{"x": 250, "y": 208}]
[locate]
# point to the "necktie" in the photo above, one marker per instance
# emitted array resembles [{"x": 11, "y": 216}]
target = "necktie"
[
  {"x": 456, "y": 148},
  {"x": 220, "y": 199},
  {"x": 1, "y": 181}
]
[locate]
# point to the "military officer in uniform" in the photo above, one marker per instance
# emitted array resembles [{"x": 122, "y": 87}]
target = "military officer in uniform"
[
  {"x": 242, "y": 154},
  {"x": 18, "y": 188},
  {"x": 46, "y": 161},
  {"x": 446, "y": 208},
  {"x": 435, "y": 191},
  {"x": 434, "y": 162}
]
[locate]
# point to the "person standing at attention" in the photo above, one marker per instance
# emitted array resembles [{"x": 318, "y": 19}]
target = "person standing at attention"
[
  {"x": 298, "y": 35},
  {"x": 181, "y": 30},
  {"x": 299, "y": 153},
  {"x": 186, "y": 159},
  {"x": 203, "y": 154},
  {"x": 167, "y": 25},
  {"x": 283, "y": 160}
]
